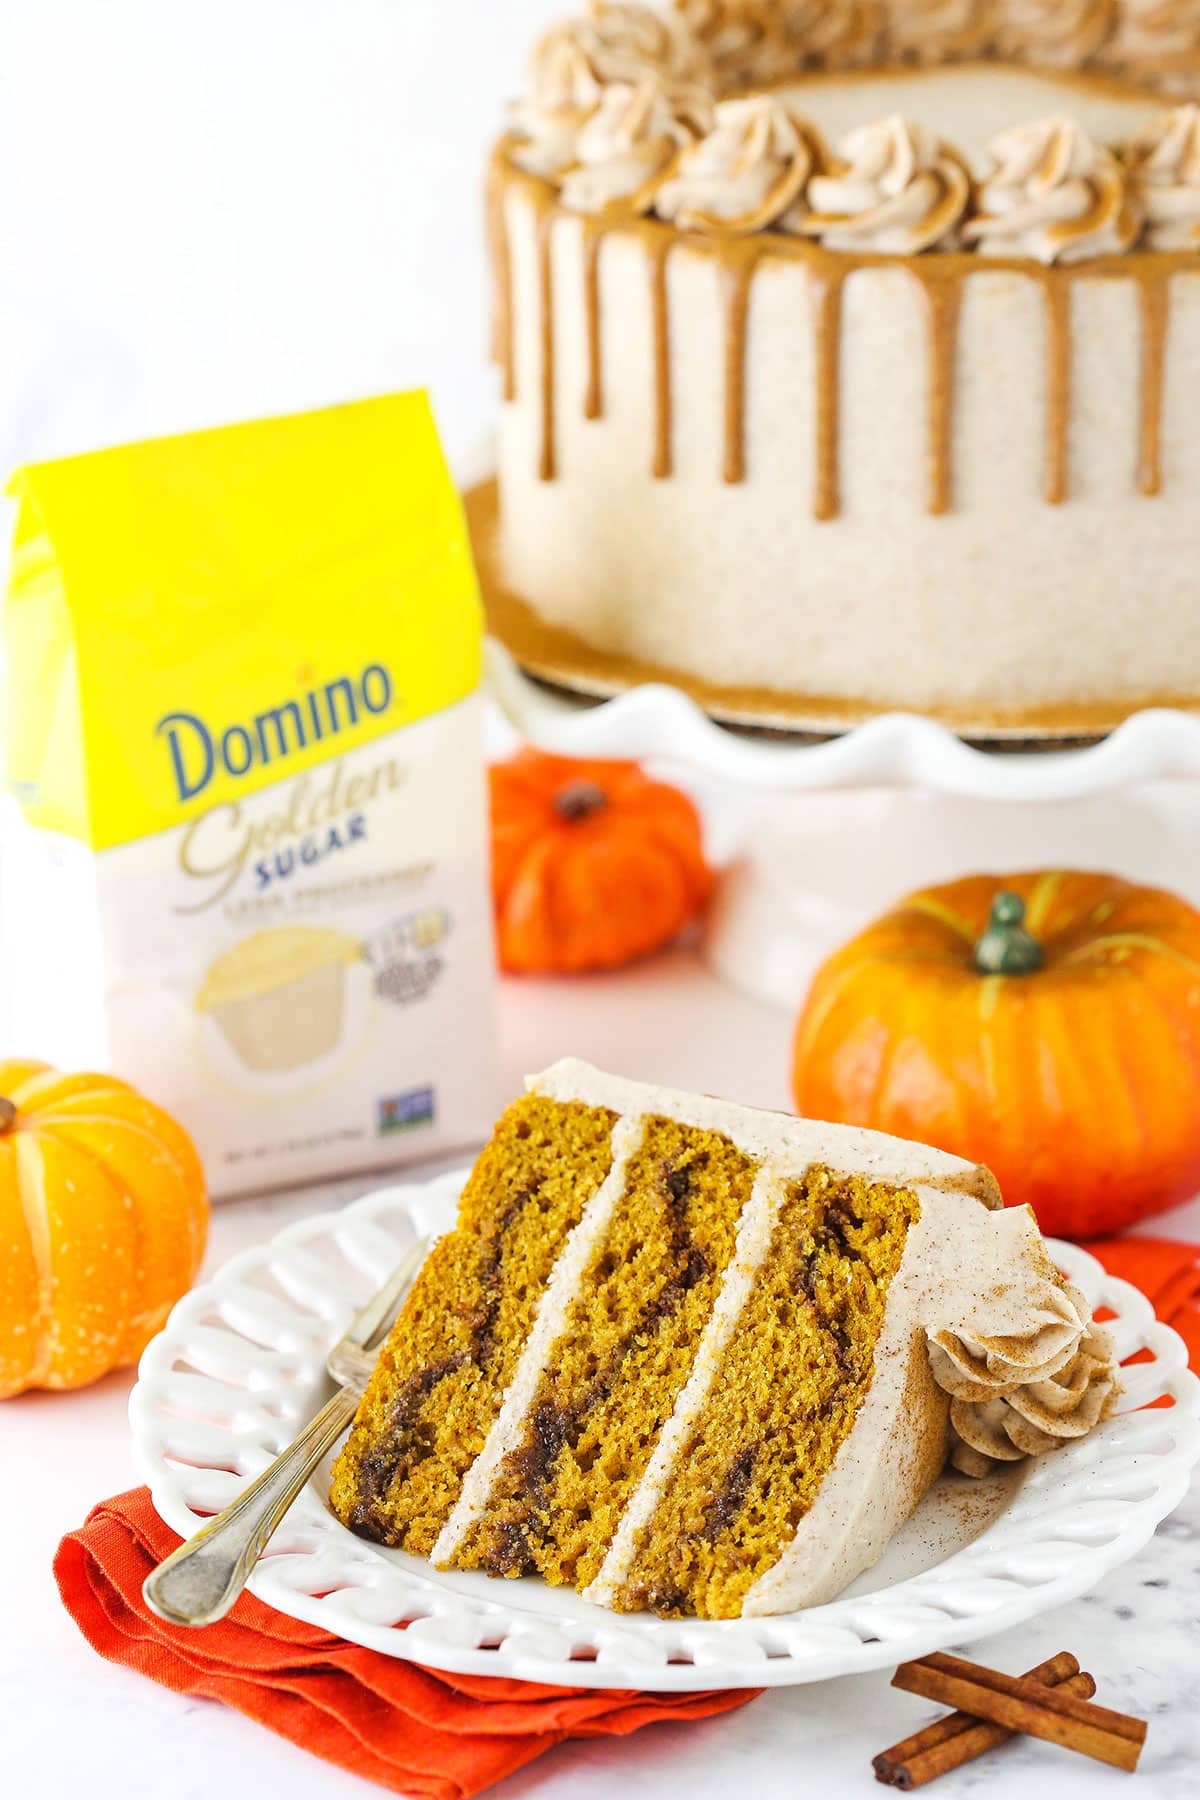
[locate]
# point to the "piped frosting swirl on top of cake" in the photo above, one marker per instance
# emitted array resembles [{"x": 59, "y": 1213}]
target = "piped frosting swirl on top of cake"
[
  {"x": 896, "y": 189},
  {"x": 563, "y": 92},
  {"x": 1057, "y": 34},
  {"x": 1164, "y": 168},
  {"x": 685, "y": 132},
  {"x": 745, "y": 173},
  {"x": 939, "y": 31},
  {"x": 630, "y": 144},
  {"x": 1158, "y": 40},
  {"x": 622, "y": 41},
  {"x": 1055, "y": 196}
]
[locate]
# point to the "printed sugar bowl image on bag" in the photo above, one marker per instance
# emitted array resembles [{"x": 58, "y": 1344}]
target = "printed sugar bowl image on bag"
[{"x": 245, "y": 738}]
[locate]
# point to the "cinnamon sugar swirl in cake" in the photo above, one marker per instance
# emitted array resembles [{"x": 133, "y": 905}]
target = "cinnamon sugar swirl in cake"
[
  {"x": 851, "y": 356},
  {"x": 696, "y": 1359}
]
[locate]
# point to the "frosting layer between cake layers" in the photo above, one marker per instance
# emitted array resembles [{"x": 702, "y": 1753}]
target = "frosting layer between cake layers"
[
  {"x": 912, "y": 423},
  {"x": 706, "y": 1387}
]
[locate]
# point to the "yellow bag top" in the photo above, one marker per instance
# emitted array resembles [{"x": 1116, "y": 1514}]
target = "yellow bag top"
[{"x": 192, "y": 618}]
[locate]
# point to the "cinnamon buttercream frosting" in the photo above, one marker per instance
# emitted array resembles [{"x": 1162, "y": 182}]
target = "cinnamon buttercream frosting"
[
  {"x": 750, "y": 168},
  {"x": 938, "y": 31},
  {"x": 631, "y": 143},
  {"x": 1159, "y": 39},
  {"x": 1055, "y": 34},
  {"x": 562, "y": 93},
  {"x": 744, "y": 40},
  {"x": 895, "y": 189},
  {"x": 834, "y": 34},
  {"x": 1023, "y": 1394},
  {"x": 623, "y": 41},
  {"x": 1164, "y": 169},
  {"x": 1054, "y": 195}
]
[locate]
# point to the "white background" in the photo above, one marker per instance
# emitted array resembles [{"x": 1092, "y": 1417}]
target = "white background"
[
  {"x": 221, "y": 208},
  {"x": 215, "y": 209}
]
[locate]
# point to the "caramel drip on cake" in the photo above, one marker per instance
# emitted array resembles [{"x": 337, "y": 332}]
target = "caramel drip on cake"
[
  {"x": 501, "y": 261},
  {"x": 940, "y": 277},
  {"x": 1057, "y": 292},
  {"x": 593, "y": 236},
  {"x": 545, "y": 279},
  {"x": 827, "y": 283},
  {"x": 737, "y": 272},
  {"x": 943, "y": 303},
  {"x": 660, "y": 324},
  {"x": 1154, "y": 304}
]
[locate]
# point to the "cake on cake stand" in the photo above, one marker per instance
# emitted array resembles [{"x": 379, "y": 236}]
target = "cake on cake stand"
[{"x": 819, "y": 836}]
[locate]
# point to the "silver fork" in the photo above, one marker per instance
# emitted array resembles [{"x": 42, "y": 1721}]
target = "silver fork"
[{"x": 198, "y": 1583}]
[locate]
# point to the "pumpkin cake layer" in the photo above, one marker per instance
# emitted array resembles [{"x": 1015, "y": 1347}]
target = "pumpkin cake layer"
[
  {"x": 625, "y": 1350},
  {"x": 698, "y": 1359},
  {"x": 438, "y": 1384},
  {"x": 783, "y": 1399}
]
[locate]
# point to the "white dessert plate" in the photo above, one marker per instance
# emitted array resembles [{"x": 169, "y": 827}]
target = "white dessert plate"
[{"x": 240, "y": 1367}]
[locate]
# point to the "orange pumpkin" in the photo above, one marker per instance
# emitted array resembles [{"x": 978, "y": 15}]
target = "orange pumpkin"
[
  {"x": 593, "y": 864},
  {"x": 1047, "y": 1025},
  {"x": 103, "y": 1220}
]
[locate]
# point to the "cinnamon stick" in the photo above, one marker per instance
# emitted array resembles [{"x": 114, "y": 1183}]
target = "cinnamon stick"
[
  {"x": 1020, "y": 1704},
  {"x": 959, "y": 1738}
]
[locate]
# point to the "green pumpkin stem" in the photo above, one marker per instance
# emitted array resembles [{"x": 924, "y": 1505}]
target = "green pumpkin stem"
[{"x": 1006, "y": 948}]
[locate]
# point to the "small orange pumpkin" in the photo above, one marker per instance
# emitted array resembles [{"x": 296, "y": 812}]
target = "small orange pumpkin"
[
  {"x": 593, "y": 864},
  {"x": 1047, "y": 1025},
  {"x": 103, "y": 1220}
]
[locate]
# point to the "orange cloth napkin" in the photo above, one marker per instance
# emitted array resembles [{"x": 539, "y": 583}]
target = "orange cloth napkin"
[
  {"x": 1169, "y": 1276},
  {"x": 417, "y": 1731}
]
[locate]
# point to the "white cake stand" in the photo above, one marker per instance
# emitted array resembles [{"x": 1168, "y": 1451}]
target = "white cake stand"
[{"x": 818, "y": 838}]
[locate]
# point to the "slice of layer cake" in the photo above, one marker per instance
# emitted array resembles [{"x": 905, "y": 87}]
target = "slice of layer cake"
[{"x": 697, "y": 1359}]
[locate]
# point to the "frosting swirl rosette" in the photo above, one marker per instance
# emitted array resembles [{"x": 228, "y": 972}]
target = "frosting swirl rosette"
[
  {"x": 1001, "y": 1411},
  {"x": 622, "y": 41},
  {"x": 1054, "y": 195},
  {"x": 631, "y": 143},
  {"x": 1160, "y": 39},
  {"x": 744, "y": 175},
  {"x": 1164, "y": 168},
  {"x": 895, "y": 189},
  {"x": 836, "y": 34},
  {"x": 744, "y": 40},
  {"x": 1062, "y": 34},
  {"x": 562, "y": 93},
  {"x": 937, "y": 31}
]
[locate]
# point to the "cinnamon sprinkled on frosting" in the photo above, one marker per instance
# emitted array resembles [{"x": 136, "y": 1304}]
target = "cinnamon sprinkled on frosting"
[
  {"x": 747, "y": 172},
  {"x": 1055, "y": 196},
  {"x": 897, "y": 189},
  {"x": 1164, "y": 169}
]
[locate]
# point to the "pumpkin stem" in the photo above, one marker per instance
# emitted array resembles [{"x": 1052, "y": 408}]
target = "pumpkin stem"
[
  {"x": 579, "y": 800},
  {"x": 1006, "y": 948},
  {"x": 8, "y": 1115}
]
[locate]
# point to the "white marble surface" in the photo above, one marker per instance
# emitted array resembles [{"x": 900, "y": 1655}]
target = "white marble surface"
[{"x": 73, "y": 1725}]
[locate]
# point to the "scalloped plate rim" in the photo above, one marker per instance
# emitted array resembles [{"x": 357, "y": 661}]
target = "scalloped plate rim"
[{"x": 1087, "y": 1565}]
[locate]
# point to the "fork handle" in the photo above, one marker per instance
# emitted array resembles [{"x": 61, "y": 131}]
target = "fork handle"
[{"x": 198, "y": 1583}]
